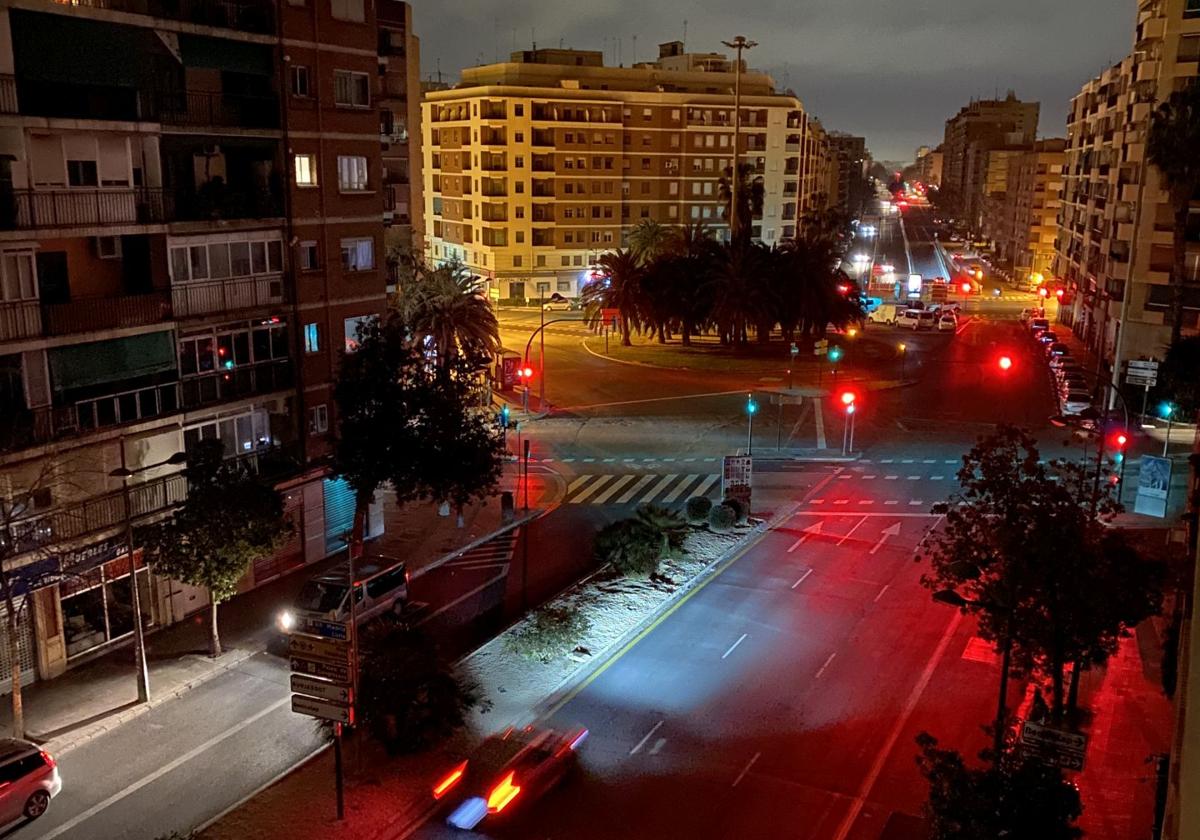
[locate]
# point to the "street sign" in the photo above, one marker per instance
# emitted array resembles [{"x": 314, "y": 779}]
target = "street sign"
[
  {"x": 336, "y": 712},
  {"x": 338, "y": 672},
  {"x": 314, "y": 647},
  {"x": 820, "y": 348},
  {"x": 1143, "y": 364},
  {"x": 1153, "y": 486},
  {"x": 338, "y": 630},
  {"x": 321, "y": 689},
  {"x": 1142, "y": 372},
  {"x": 736, "y": 474},
  {"x": 1056, "y": 747}
]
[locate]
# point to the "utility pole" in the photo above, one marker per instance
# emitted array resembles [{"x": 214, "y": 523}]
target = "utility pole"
[
  {"x": 542, "y": 352},
  {"x": 739, "y": 43}
]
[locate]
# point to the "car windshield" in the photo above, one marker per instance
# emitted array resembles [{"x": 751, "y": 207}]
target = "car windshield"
[{"x": 321, "y": 596}]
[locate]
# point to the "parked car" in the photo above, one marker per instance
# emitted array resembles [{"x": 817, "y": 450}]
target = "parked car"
[
  {"x": 886, "y": 313},
  {"x": 947, "y": 323},
  {"x": 1045, "y": 337},
  {"x": 1057, "y": 360},
  {"x": 560, "y": 304},
  {"x": 1038, "y": 324},
  {"x": 28, "y": 780},
  {"x": 1032, "y": 312},
  {"x": 1057, "y": 350},
  {"x": 918, "y": 319},
  {"x": 381, "y": 585},
  {"x": 1075, "y": 402}
]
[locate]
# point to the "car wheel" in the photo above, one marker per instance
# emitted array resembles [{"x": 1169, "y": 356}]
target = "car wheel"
[{"x": 36, "y": 804}]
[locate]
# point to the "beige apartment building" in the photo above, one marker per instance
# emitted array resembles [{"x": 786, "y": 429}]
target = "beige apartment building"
[
  {"x": 535, "y": 166},
  {"x": 1021, "y": 208},
  {"x": 1115, "y": 239}
]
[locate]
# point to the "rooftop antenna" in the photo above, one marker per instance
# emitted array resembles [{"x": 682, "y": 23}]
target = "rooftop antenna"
[
  {"x": 685, "y": 34},
  {"x": 634, "y": 59},
  {"x": 439, "y": 69},
  {"x": 533, "y": 37}
]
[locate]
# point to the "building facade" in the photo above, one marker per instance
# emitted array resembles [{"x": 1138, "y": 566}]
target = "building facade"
[
  {"x": 1115, "y": 230},
  {"x": 536, "y": 166},
  {"x": 1028, "y": 217},
  {"x": 851, "y": 161},
  {"x": 191, "y": 228}
]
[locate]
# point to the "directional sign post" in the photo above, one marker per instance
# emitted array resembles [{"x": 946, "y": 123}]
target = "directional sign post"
[
  {"x": 339, "y": 630},
  {"x": 323, "y": 666},
  {"x": 1056, "y": 747},
  {"x": 321, "y": 689},
  {"x": 736, "y": 476},
  {"x": 318, "y": 649},
  {"x": 336, "y": 712}
]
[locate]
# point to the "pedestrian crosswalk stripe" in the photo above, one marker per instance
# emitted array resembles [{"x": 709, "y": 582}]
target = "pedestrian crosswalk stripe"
[
  {"x": 679, "y": 488},
  {"x": 702, "y": 488},
  {"x": 658, "y": 488},
  {"x": 593, "y": 487},
  {"x": 632, "y": 491},
  {"x": 577, "y": 483},
  {"x": 612, "y": 489}
]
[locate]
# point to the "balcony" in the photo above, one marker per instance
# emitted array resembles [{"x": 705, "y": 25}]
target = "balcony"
[
  {"x": 8, "y": 94},
  {"x": 200, "y": 108},
  {"x": 81, "y": 207},
  {"x": 20, "y": 319},
  {"x": 235, "y": 383},
  {"x": 117, "y": 409},
  {"x": 231, "y": 295},
  {"x": 543, "y": 138},
  {"x": 257, "y": 16},
  {"x": 106, "y": 313}
]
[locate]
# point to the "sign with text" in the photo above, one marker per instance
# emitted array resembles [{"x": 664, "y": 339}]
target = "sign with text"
[
  {"x": 338, "y": 630},
  {"x": 820, "y": 348},
  {"x": 1142, "y": 372},
  {"x": 736, "y": 474},
  {"x": 1153, "y": 486},
  {"x": 321, "y": 689},
  {"x": 314, "y": 647},
  {"x": 336, "y": 712},
  {"x": 1056, "y": 747},
  {"x": 336, "y": 672}
]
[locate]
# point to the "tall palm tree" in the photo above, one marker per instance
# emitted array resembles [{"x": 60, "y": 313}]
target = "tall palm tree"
[
  {"x": 1174, "y": 147},
  {"x": 750, "y": 193},
  {"x": 447, "y": 310},
  {"x": 739, "y": 281},
  {"x": 616, "y": 284},
  {"x": 694, "y": 250},
  {"x": 650, "y": 240}
]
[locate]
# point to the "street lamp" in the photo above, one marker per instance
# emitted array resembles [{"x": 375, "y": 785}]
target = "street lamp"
[
  {"x": 739, "y": 43},
  {"x": 751, "y": 408},
  {"x": 902, "y": 348},
  {"x": 124, "y": 473}
]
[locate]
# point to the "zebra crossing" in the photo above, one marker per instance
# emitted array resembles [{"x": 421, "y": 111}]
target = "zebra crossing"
[{"x": 639, "y": 488}]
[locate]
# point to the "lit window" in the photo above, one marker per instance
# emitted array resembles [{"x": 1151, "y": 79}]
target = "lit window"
[
  {"x": 312, "y": 339},
  {"x": 348, "y": 10},
  {"x": 308, "y": 256},
  {"x": 358, "y": 254},
  {"x": 306, "y": 170},
  {"x": 300, "y": 81},
  {"x": 318, "y": 419},
  {"x": 352, "y": 173}
]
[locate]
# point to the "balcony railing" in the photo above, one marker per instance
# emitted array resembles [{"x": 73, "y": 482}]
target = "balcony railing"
[
  {"x": 8, "y": 94},
  {"x": 195, "y": 107},
  {"x": 236, "y": 382},
  {"x": 20, "y": 319},
  {"x": 119, "y": 409},
  {"x": 203, "y": 298},
  {"x": 81, "y": 207},
  {"x": 244, "y": 15},
  {"x": 106, "y": 313}
]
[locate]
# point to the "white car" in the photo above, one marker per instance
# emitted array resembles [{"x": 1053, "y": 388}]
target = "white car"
[
  {"x": 1076, "y": 402},
  {"x": 947, "y": 323},
  {"x": 563, "y": 305},
  {"x": 918, "y": 319},
  {"x": 28, "y": 780}
]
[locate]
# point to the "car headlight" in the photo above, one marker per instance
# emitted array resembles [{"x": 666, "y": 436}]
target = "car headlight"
[{"x": 287, "y": 621}]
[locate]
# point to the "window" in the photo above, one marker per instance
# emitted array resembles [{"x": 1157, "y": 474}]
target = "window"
[
  {"x": 108, "y": 247},
  {"x": 300, "y": 81},
  {"x": 673, "y": 188},
  {"x": 17, "y": 280},
  {"x": 351, "y": 10},
  {"x": 353, "y": 328},
  {"x": 351, "y": 89},
  {"x": 541, "y": 260},
  {"x": 1189, "y": 48},
  {"x": 517, "y": 261},
  {"x": 519, "y": 161},
  {"x": 306, "y": 170},
  {"x": 358, "y": 254},
  {"x": 318, "y": 420},
  {"x": 520, "y": 186},
  {"x": 673, "y": 212},
  {"x": 352, "y": 173},
  {"x": 565, "y": 261},
  {"x": 520, "y": 237},
  {"x": 563, "y": 285},
  {"x": 82, "y": 173},
  {"x": 578, "y": 260},
  {"x": 518, "y": 110},
  {"x": 519, "y": 137},
  {"x": 312, "y": 338},
  {"x": 520, "y": 211},
  {"x": 308, "y": 256}
]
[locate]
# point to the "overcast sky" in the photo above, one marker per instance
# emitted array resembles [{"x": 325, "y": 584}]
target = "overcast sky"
[{"x": 893, "y": 70}]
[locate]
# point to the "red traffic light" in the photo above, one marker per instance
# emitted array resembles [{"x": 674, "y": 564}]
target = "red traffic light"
[
  {"x": 1005, "y": 362},
  {"x": 848, "y": 398},
  {"x": 1120, "y": 439},
  {"x": 1058, "y": 293},
  {"x": 528, "y": 372},
  {"x": 966, "y": 287},
  {"x": 1042, "y": 291}
]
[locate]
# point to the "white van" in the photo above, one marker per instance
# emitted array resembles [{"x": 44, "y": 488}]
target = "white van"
[
  {"x": 918, "y": 319},
  {"x": 382, "y": 585},
  {"x": 886, "y": 313}
]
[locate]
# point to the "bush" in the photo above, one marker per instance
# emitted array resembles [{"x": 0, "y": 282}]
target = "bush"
[
  {"x": 409, "y": 698},
  {"x": 554, "y": 631},
  {"x": 697, "y": 509},
  {"x": 721, "y": 518},
  {"x": 740, "y": 508},
  {"x": 631, "y": 546},
  {"x": 669, "y": 524}
]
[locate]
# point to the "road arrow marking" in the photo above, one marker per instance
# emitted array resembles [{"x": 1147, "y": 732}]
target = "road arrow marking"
[
  {"x": 890, "y": 531},
  {"x": 811, "y": 531}
]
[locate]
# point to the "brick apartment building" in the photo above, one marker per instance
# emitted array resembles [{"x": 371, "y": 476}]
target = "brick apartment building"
[
  {"x": 193, "y": 212},
  {"x": 535, "y": 166}
]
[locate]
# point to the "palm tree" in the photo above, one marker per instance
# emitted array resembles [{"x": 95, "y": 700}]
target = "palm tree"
[
  {"x": 750, "y": 198},
  {"x": 811, "y": 293},
  {"x": 446, "y": 308},
  {"x": 1174, "y": 147},
  {"x": 739, "y": 281},
  {"x": 617, "y": 284},
  {"x": 691, "y": 255},
  {"x": 650, "y": 240}
]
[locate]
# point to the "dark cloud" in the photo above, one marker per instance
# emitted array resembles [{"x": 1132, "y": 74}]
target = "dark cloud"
[{"x": 893, "y": 70}]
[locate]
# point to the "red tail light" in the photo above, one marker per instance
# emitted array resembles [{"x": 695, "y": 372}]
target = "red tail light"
[
  {"x": 46, "y": 757},
  {"x": 452, "y": 778},
  {"x": 502, "y": 794}
]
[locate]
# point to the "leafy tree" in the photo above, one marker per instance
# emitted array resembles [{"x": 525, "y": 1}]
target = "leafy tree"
[
  {"x": 619, "y": 287},
  {"x": 750, "y": 192},
  {"x": 228, "y": 518},
  {"x": 721, "y": 518},
  {"x": 409, "y": 697},
  {"x": 1179, "y": 382},
  {"x": 739, "y": 280},
  {"x": 1171, "y": 146},
  {"x": 1016, "y": 797},
  {"x": 631, "y": 546}
]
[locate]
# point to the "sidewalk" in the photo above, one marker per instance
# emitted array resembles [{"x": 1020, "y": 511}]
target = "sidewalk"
[{"x": 101, "y": 695}]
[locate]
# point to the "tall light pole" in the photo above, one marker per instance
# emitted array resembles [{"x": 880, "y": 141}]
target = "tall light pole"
[
  {"x": 739, "y": 43},
  {"x": 139, "y": 642}
]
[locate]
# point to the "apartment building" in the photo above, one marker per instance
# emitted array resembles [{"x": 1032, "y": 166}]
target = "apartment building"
[
  {"x": 1025, "y": 225},
  {"x": 191, "y": 228},
  {"x": 535, "y": 166},
  {"x": 928, "y": 165},
  {"x": 400, "y": 125},
  {"x": 978, "y": 128},
  {"x": 1115, "y": 229},
  {"x": 850, "y": 158}
]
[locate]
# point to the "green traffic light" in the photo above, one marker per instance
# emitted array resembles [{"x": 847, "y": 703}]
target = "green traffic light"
[{"x": 835, "y": 353}]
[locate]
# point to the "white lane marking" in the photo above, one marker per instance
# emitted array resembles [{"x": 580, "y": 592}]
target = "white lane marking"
[
  {"x": 638, "y": 747},
  {"x": 821, "y": 670},
  {"x": 667, "y": 460},
  {"x": 841, "y": 501},
  {"x": 689, "y": 460},
  {"x": 866, "y": 501},
  {"x": 845, "y": 477},
  {"x": 679, "y": 488},
  {"x": 891, "y": 502},
  {"x": 915, "y": 502},
  {"x": 890, "y": 477},
  {"x": 881, "y": 591},
  {"x": 746, "y": 769},
  {"x": 611, "y": 460},
  {"x": 937, "y": 477},
  {"x": 819, "y": 421},
  {"x": 929, "y": 461},
  {"x": 551, "y": 460},
  {"x": 803, "y": 577},
  {"x": 881, "y": 758},
  {"x": 702, "y": 488},
  {"x": 568, "y": 460},
  {"x": 913, "y": 477},
  {"x": 829, "y": 513},
  {"x": 577, "y": 483},
  {"x": 592, "y": 488},
  {"x": 632, "y": 491},
  {"x": 890, "y": 531},
  {"x": 629, "y": 460},
  {"x": 810, "y": 531},
  {"x": 733, "y": 646},
  {"x": 852, "y": 530},
  {"x": 950, "y": 462},
  {"x": 869, "y": 477},
  {"x": 908, "y": 461},
  {"x": 165, "y": 769},
  {"x": 589, "y": 460},
  {"x": 658, "y": 488},
  {"x": 709, "y": 460},
  {"x": 887, "y": 460},
  {"x": 658, "y": 745},
  {"x": 611, "y": 490},
  {"x": 866, "y": 461}
]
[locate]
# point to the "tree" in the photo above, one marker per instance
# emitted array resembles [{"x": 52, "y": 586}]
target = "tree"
[
  {"x": 409, "y": 697},
  {"x": 1016, "y": 797},
  {"x": 228, "y": 518},
  {"x": 1171, "y": 146},
  {"x": 618, "y": 286},
  {"x": 447, "y": 311},
  {"x": 1178, "y": 380},
  {"x": 650, "y": 240},
  {"x": 750, "y": 193},
  {"x": 740, "y": 288}
]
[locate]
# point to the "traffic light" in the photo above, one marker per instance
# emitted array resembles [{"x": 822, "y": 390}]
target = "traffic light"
[
  {"x": 848, "y": 401},
  {"x": 751, "y": 405},
  {"x": 1042, "y": 291},
  {"x": 1058, "y": 293},
  {"x": 835, "y": 354},
  {"x": 525, "y": 374},
  {"x": 1005, "y": 363},
  {"x": 504, "y": 416},
  {"x": 1118, "y": 446},
  {"x": 966, "y": 287}
]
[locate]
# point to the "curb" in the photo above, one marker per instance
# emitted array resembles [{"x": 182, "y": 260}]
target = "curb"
[
  {"x": 289, "y": 770},
  {"x": 458, "y": 552},
  {"x": 63, "y": 744}
]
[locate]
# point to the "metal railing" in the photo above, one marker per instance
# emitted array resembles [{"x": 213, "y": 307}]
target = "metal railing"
[
  {"x": 202, "y": 298},
  {"x": 262, "y": 378},
  {"x": 20, "y": 319},
  {"x": 81, "y": 207},
  {"x": 106, "y": 313},
  {"x": 197, "y": 107},
  {"x": 8, "y": 94},
  {"x": 124, "y": 407}
]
